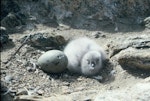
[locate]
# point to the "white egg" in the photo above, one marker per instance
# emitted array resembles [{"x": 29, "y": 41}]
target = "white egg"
[{"x": 53, "y": 61}]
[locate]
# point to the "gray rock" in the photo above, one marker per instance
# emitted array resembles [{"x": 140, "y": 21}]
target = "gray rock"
[
  {"x": 11, "y": 21},
  {"x": 138, "y": 92},
  {"x": 8, "y": 78},
  {"x": 44, "y": 41},
  {"x": 147, "y": 22},
  {"x": 98, "y": 34},
  {"x": 4, "y": 37},
  {"x": 138, "y": 42},
  {"x": 75, "y": 96},
  {"x": 22, "y": 92},
  {"x": 135, "y": 58},
  {"x": 53, "y": 61},
  {"x": 30, "y": 69}
]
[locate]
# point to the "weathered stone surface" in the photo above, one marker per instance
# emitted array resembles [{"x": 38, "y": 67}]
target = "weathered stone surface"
[
  {"x": 76, "y": 96},
  {"x": 135, "y": 58},
  {"x": 13, "y": 20},
  {"x": 147, "y": 22},
  {"x": 77, "y": 11},
  {"x": 138, "y": 92},
  {"x": 44, "y": 41},
  {"x": 138, "y": 42}
]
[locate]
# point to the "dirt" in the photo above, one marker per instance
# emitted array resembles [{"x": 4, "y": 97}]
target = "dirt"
[{"x": 35, "y": 81}]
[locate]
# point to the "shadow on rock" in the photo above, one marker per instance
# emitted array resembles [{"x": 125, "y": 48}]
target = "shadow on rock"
[
  {"x": 135, "y": 61},
  {"x": 137, "y": 72},
  {"x": 108, "y": 72},
  {"x": 7, "y": 46}
]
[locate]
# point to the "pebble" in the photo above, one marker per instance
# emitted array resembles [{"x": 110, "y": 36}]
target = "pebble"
[
  {"x": 147, "y": 79},
  {"x": 31, "y": 69},
  {"x": 113, "y": 72},
  {"x": 98, "y": 34},
  {"x": 22, "y": 92},
  {"x": 98, "y": 77},
  {"x": 40, "y": 92},
  {"x": 8, "y": 78}
]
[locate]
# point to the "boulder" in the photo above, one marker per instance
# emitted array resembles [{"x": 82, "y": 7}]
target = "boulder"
[
  {"x": 135, "y": 58},
  {"x": 44, "y": 41},
  {"x": 137, "y": 42}
]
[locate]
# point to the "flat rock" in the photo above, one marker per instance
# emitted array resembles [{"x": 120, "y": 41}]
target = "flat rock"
[
  {"x": 135, "y": 58},
  {"x": 45, "y": 41},
  {"x": 138, "y": 42},
  {"x": 138, "y": 92},
  {"x": 75, "y": 96}
]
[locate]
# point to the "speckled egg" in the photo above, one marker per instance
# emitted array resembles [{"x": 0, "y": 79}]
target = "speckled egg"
[{"x": 53, "y": 61}]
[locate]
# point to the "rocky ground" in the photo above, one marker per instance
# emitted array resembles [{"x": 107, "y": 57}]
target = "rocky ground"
[
  {"x": 21, "y": 79},
  {"x": 30, "y": 28}
]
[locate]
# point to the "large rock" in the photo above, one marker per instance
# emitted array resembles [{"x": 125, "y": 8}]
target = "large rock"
[
  {"x": 44, "y": 41},
  {"x": 132, "y": 51},
  {"x": 139, "y": 92},
  {"x": 135, "y": 58},
  {"x": 12, "y": 20},
  {"x": 137, "y": 42},
  {"x": 75, "y": 11}
]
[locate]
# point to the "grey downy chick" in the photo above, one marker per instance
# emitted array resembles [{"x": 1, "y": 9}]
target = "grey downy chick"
[{"x": 85, "y": 56}]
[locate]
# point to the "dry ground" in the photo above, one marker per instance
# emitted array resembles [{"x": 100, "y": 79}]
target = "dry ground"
[{"x": 113, "y": 76}]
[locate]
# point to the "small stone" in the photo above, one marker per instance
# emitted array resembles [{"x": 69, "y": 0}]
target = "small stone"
[
  {"x": 113, "y": 72},
  {"x": 31, "y": 69},
  {"x": 147, "y": 79},
  {"x": 96, "y": 34},
  {"x": 98, "y": 77},
  {"x": 147, "y": 22},
  {"x": 87, "y": 99},
  {"x": 22, "y": 92},
  {"x": 40, "y": 92},
  {"x": 65, "y": 76},
  {"x": 79, "y": 79},
  {"x": 8, "y": 78}
]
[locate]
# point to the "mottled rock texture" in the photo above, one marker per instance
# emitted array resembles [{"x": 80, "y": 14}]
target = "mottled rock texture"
[
  {"x": 16, "y": 12},
  {"x": 135, "y": 58}
]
